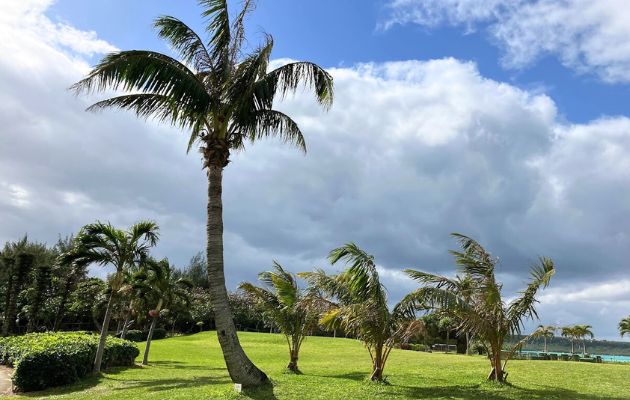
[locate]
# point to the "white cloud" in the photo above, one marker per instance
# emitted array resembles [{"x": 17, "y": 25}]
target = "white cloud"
[
  {"x": 585, "y": 35},
  {"x": 410, "y": 152}
]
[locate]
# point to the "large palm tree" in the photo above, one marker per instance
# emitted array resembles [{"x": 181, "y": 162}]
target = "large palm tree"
[
  {"x": 288, "y": 307},
  {"x": 158, "y": 283},
  {"x": 479, "y": 307},
  {"x": 224, "y": 98},
  {"x": 546, "y": 332},
  {"x": 582, "y": 332},
  {"x": 103, "y": 244},
  {"x": 358, "y": 304},
  {"x": 624, "y": 326}
]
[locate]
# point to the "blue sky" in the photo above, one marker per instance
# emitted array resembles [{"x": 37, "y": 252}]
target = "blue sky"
[
  {"x": 344, "y": 33},
  {"x": 504, "y": 120}
]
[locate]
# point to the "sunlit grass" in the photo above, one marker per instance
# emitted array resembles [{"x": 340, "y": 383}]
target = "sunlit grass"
[{"x": 191, "y": 367}]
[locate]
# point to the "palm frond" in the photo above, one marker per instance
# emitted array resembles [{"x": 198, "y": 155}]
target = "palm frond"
[
  {"x": 184, "y": 40},
  {"x": 289, "y": 77}
]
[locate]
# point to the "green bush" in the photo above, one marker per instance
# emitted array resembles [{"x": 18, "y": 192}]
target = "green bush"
[
  {"x": 136, "y": 336},
  {"x": 44, "y": 360},
  {"x": 159, "y": 333},
  {"x": 141, "y": 336}
]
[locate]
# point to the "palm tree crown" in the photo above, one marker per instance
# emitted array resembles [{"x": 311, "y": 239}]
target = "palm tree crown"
[{"x": 624, "y": 326}]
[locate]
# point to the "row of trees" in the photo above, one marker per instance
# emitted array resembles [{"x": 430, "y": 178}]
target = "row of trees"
[
  {"x": 575, "y": 333},
  {"x": 356, "y": 301}
]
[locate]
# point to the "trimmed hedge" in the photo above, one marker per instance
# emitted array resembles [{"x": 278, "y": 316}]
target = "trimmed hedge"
[
  {"x": 141, "y": 336},
  {"x": 44, "y": 360}
]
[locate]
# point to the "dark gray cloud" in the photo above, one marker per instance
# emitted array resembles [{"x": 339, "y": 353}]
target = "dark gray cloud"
[{"x": 410, "y": 152}]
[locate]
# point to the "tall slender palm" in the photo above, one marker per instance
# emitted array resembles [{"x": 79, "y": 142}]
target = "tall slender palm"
[
  {"x": 582, "y": 332},
  {"x": 103, "y": 244},
  {"x": 359, "y": 305},
  {"x": 288, "y": 307},
  {"x": 624, "y": 326},
  {"x": 480, "y": 307},
  {"x": 157, "y": 283},
  {"x": 570, "y": 333},
  {"x": 447, "y": 323},
  {"x": 224, "y": 98},
  {"x": 546, "y": 332}
]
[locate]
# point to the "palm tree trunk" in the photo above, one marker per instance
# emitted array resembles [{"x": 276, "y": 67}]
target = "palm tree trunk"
[
  {"x": 241, "y": 369},
  {"x": 467, "y": 344},
  {"x": 104, "y": 328},
  {"x": 145, "y": 360},
  {"x": 377, "y": 368},
  {"x": 545, "y": 339},
  {"x": 125, "y": 327},
  {"x": 447, "y": 338}
]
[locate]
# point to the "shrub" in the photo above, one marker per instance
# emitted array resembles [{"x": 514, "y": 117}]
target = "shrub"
[
  {"x": 159, "y": 333},
  {"x": 44, "y": 360},
  {"x": 136, "y": 335}
]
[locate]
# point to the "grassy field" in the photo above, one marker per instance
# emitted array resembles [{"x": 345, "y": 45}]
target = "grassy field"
[{"x": 191, "y": 367}]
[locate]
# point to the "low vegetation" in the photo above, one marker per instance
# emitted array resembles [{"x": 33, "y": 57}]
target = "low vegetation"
[
  {"x": 192, "y": 367},
  {"x": 42, "y": 360}
]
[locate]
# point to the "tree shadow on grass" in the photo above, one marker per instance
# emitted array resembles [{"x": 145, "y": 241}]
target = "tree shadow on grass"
[
  {"x": 188, "y": 367},
  {"x": 353, "y": 376},
  {"x": 83, "y": 384},
  {"x": 508, "y": 392},
  {"x": 158, "y": 384},
  {"x": 264, "y": 392}
]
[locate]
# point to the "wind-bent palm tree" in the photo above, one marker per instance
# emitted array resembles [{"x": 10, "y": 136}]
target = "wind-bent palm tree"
[
  {"x": 288, "y": 307},
  {"x": 157, "y": 283},
  {"x": 581, "y": 333},
  {"x": 624, "y": 326},
  {"x": 103, "y": 244},
  {"x": 546, "y": 332},
  {"x": 359, "y": 305},
  {"x": 570, "y": 333},
  {"x": 479, "y": 307},
  {"x": 224, "y": 98}
]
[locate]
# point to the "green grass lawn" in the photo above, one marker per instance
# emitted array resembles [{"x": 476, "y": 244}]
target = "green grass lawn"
[{"x": 191, "y": 367}]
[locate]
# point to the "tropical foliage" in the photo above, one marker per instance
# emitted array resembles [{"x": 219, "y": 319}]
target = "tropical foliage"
[
  {"x": 624, "y": 326},
  {"x": 224, "y": 98},
  {"x": 44, "y": 360},
  {"x": 357, "y": 303},
  {"x": 293, "y": 312},
  {"x": 157, "y": 284},
  {"x": 479, "y": 307},
  {"x": 105, "y": 245}
]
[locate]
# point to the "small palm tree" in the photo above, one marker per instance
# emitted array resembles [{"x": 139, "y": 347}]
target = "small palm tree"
[
  {"x": 157, "y": 283},
  {"x": 624, "y": 326},
  {"x": 570, "y": 333},
  {"x": 581, "y": 333},
  {"x": 103, "y": 244},
  {"x": 224, "y": 97},
  {"x": 546, "y": 332},
  {"x": 479, "y": 307},
  {"x": 359, "y": 305},
  {"x": 288, "y": 307}
]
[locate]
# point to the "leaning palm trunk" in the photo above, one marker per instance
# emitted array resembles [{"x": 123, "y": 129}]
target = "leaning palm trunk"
[
  {"x": 145, "y": 360},
  {"x": 104, "y": 329},
  {"x": 241, "y": 369},
  {"x": 125, "y": 327}
]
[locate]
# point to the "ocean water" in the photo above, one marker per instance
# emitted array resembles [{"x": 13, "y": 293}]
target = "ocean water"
[{"x": 605, "y": 357}]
